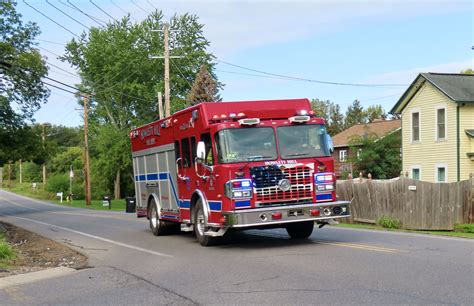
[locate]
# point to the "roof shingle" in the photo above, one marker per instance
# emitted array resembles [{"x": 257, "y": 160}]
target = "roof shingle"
[{"x": 380, "y": 128}]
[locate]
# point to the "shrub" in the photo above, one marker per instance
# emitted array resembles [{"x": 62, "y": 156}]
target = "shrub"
[
  {"x": 388, "y": 222},
  {"x": 464, "y": 228},
  {"x": 58, "y": 183}
]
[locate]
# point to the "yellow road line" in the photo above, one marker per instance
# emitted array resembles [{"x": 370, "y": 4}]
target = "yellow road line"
[{"x": 361, "y": 246}]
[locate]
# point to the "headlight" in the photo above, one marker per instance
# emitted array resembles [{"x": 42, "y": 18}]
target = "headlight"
[{"x": 238, "y": 189}]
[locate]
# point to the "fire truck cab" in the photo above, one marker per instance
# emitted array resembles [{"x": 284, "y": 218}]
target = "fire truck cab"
[{"x": 236, "y": 165}]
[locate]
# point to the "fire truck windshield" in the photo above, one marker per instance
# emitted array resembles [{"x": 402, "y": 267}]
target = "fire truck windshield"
[
  {"x": 248, "y": 144},
  {"x": 302, "y": 141}
]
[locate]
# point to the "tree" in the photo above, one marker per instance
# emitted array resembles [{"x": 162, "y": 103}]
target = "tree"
[
  {"x": 378, "y": 156},
  {"x": 375, "y": 112},
  {"x": 336, "y": 120},
  {"x": 355, "y": 114},
  {"x": 467, "y": 71},
  {"x": 114, "y": 64},
  {"x": 21, "y": 70},
  {"x": 321, "y": 108},
  {"x": 205, "y": 88}
]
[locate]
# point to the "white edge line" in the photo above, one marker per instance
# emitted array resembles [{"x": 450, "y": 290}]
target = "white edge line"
[{"x": 125, "y": 245}]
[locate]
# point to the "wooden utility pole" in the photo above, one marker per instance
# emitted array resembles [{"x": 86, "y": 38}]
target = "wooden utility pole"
[
  {"x": 166, "y": 55},
  {"x": 10, "y": 174},
  {"x": 87, "y": 182},
  {"x": 43, "y": 139},
  {"x": 166, "y": 30},
  {"x": 160, "y": 106}
]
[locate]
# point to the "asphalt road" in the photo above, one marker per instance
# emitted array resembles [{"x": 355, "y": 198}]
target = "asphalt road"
[{"x": 335, "y": 266}]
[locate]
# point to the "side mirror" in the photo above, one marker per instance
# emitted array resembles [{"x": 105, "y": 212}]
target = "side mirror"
[
  {"x": 201, "y": 150},
  {"x": 329, "y": 144}
]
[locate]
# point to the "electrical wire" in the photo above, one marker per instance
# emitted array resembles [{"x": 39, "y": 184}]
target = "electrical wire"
[
  {"x": 126, "y": 13},
  {"x": 96, "y": 20},
  {"x": 309, "y": 80},
  {"x": 100, "y": 9},
  {"x": 60, "y": 25},
  {"x": 146, "y": 12},
  {"x": 67, "y": 15}
]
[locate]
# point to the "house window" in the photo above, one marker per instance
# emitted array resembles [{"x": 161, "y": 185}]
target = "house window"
[
  {"x": 415, "y": 126},
  {"x": 359, "y": 154},
  {"x": 441, "y": 123},
  {"x": 343, "y": 155},
  {"x": 415, "y": 173},
  {"x": 441, "y": 173}
]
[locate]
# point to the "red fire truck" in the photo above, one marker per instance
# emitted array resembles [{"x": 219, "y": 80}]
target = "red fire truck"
[{"x": 216, "y": 167}]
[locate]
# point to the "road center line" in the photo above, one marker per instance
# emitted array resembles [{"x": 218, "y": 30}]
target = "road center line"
[
  {"x": 125, "y": 245},
  {"x": 361, "y": 246}
]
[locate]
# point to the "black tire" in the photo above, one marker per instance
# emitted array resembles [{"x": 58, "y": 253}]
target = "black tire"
[
  {"x": 157, "y": 226},
  {"x": 200, "y": 228},
  {"x": 300, "y": 230}
]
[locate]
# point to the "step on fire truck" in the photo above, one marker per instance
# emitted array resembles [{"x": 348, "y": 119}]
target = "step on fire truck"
[{"x": 216, "y": 167}]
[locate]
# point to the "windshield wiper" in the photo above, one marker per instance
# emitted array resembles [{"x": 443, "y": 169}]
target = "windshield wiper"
[
  {"x": 297, "y": 154},
  {"x": 257, "y": 157}
]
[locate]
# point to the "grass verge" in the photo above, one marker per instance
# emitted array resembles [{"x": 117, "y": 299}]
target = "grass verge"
[
  {"x": 38, "y": 193},
  {"x": 439, "y": 233},
  {"x": 6, "y": 253}
]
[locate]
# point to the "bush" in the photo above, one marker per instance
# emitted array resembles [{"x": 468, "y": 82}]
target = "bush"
[
  {"x": 58, "y": 183},
  {"x": 464, "y": 228},
  {"x": 388, "y": 222}
]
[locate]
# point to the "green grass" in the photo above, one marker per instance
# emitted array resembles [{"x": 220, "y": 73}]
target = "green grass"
[
  {"x": 439, "y": 233},
  {"x": 38, "y": 193},
  {"x": 6, "y": 253},
  {"x": 464, "y": 228},
  {"x": 388, "y": 222}
]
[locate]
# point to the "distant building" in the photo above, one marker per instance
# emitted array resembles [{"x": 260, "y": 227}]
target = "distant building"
[
  {"x": 437, "y": 112},
  {"x": 341, "y": 141}
]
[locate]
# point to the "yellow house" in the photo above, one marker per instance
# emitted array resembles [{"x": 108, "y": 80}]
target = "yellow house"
[{"x": 437, "y": 112}]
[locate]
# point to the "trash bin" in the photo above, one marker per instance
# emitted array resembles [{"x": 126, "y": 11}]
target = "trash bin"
[
  {"x": 106, "y": 201},
  {"x": 130, "y": 204}
]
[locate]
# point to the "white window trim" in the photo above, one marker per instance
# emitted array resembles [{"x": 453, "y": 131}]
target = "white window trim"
[
  {"x": 415, "y": 110},
  {"x": 345, "y": 157},
  {"x": 441, "y": 165},
  {"x": 415, "y": 167},
  {"x": 437, "y": 107}
]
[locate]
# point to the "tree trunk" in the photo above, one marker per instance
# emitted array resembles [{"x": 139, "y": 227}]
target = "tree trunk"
[{"x": 117, "y": 186}]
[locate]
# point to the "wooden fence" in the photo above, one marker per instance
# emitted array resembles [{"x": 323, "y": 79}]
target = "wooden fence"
[{"x": 417, "y": 204}]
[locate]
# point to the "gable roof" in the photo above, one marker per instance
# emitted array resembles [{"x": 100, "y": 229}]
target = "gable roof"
[
  {"x": 380, "y": 128},
  {"x": 457, "y": 87}
]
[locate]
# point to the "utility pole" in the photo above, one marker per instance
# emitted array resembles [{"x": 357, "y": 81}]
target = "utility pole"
[
  {"x": 166, "y": 55},
  {"x": 43, "y": 138},
  {"x": 87, "y": 182},
  {"x": 10, "y": 174},
  {"x": 160, "y": 106}
]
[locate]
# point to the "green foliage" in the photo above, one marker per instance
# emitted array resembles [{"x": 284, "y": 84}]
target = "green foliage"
[
  {"x": 355, "y": 114},
  {"x": 21, "y": 67},
  {"x": 375, "y": 112},
  {"x": 31, "y": 172},
  {"x": 205, "y": 88},
  {"x": 467, "y": 71},
  {"x": 464, "y": 228},
  {"x": 378, "y": 156},
  {"x": 61, "y": 163},
  {"x": 58, "y": 183},
  {"x": 331, "y": 113},
  {"x": 389, "y": 222},
  {"x": 6, "y": 252}
]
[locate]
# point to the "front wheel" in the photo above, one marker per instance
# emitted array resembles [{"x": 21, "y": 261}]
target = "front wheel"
[
  {"x": 300, "y": 230},
  {"x": 200, "y": 227},
  {"x": 156, "y": 225}
]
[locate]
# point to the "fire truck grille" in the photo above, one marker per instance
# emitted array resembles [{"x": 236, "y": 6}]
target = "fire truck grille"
[{"x": 268, "y": 192}]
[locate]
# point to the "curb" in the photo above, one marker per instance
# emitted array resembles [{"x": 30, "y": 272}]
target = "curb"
[{"x": 26, "y": 278}]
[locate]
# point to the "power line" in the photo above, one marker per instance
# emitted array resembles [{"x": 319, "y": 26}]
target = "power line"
[
  {"x": 126, "y": 13},
  {"x": 67, "y": 15},
  {"x": 51, "y": 42},
  {"x": 146, "y": 12},
  {"x": 100, "y": 9},
  {"x": 96, "y": 20},
  {"x": 309, "y": 80},
  {"x": 51, "y": 19}
]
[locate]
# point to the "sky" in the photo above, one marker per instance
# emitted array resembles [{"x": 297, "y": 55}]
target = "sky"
[{"x": 352, "y": 41}]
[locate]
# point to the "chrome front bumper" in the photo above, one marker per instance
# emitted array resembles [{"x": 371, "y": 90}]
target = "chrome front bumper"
[{"x": 293, "y": 213}]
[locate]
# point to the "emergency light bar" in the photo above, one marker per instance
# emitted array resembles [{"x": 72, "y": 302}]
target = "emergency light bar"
[
  {"x": 249, "y": 121},
  {"x": 299, "y": 119}
]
